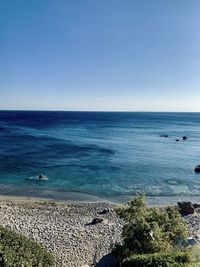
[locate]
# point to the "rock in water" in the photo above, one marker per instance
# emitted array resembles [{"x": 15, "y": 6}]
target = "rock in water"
[
  {"x": 185, "y": 208},
  {"x": 197, "y": 168},
  {"x": 177, "y": 140},
  {"x": 184, "y": 137},
  {"x": 164, "y": 135}
]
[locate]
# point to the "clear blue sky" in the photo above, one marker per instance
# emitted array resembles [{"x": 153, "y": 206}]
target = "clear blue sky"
[{"x": 100, "y": 55}]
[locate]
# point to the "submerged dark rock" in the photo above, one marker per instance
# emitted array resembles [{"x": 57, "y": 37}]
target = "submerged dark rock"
[
  {"x": 184, "y": 137},
  {"x": 185, "y": 208},
  {"x": 177, "y": 140}
]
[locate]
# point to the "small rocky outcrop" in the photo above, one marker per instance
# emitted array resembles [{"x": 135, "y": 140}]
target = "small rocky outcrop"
[
  {"x": 186, "y": 208},
  {"x": 184, "y": 137},
  {"x": 164, "y": 135},
  {"x": 197, "y": 169},
  {"x": 104, "y": 211},
  {"x": 177, "y": 140}
]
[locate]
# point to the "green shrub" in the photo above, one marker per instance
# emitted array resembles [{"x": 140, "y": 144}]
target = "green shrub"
[
  {"x": 149, "y": 229},
  {"x": 18, "y": 251},
  {"x": 173, "y": 259}
]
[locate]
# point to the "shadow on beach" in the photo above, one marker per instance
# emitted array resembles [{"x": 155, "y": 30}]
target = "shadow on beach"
[{"x": 109, "y": 260}]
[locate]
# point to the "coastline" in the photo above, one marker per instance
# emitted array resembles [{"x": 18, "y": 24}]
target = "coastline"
[{"x": 43, "y": 194}]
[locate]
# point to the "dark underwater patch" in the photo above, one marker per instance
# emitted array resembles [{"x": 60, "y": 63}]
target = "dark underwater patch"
[{"x": 77, "y": 149}]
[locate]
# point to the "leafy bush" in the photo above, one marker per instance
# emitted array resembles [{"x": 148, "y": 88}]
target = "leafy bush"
[
  {"x": 175, "y": 259},
  {"x": 149, "y": 229},
  {"x": 17, "y": 251}
]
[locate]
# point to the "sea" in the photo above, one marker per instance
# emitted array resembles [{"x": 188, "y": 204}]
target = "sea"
[{"x": 89, "y": 156}]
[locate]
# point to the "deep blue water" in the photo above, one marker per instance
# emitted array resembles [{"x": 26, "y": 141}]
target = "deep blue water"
[{"x": 101, "y": 153}]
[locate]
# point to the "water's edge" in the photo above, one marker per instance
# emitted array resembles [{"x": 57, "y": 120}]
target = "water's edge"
[{"x": 75, "y": 196}]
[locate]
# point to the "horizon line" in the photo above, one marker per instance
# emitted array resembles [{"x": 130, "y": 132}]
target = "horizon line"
[{"x": 109, "y": 111}]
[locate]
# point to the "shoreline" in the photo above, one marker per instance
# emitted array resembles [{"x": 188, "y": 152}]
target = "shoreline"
[
  {"x": 46, "y": 195},
  {"x": 47, "y": 200}
]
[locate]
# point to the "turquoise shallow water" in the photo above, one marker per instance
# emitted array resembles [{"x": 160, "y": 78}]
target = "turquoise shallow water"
[{"x": 108, "y": 155}]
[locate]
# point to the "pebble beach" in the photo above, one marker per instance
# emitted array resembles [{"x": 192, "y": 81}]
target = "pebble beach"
[{"x": 65, "y": 229}]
